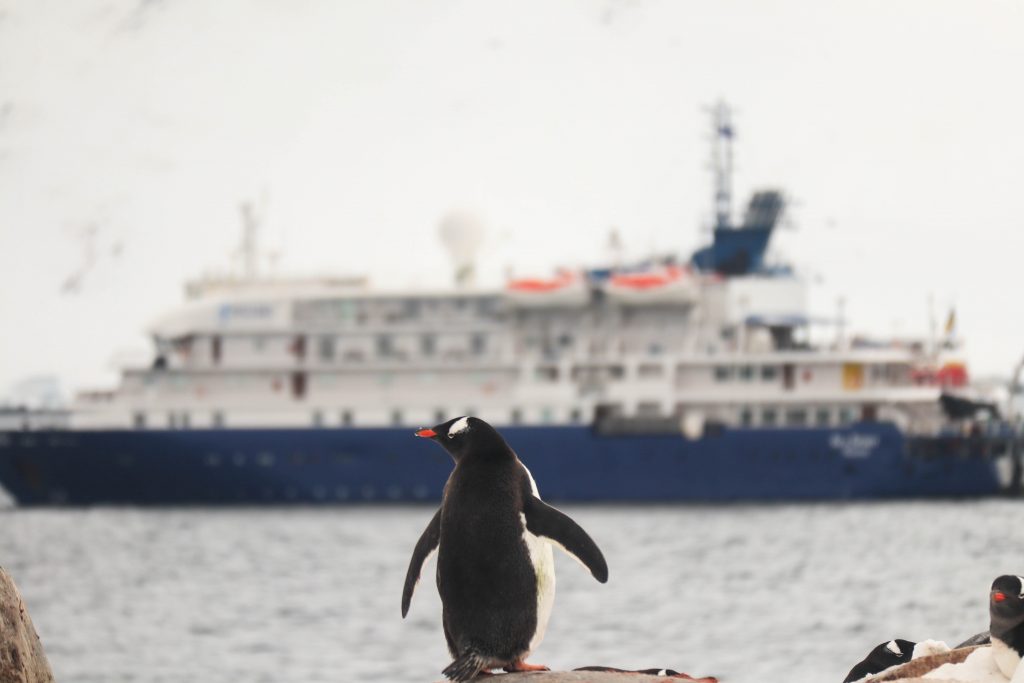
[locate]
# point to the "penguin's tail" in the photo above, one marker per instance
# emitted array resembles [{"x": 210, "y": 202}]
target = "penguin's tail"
[{"x": 465, "y": 667}]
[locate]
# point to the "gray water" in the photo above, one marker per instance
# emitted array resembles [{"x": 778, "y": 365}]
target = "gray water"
[{"x": 746, "y": 593}]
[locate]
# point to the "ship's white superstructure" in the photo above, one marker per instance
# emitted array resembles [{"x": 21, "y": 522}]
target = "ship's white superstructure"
[{"x": 696, "y": 349}]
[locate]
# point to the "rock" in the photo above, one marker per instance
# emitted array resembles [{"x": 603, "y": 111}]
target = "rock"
[
  {"x": 915, "y": 669},
  {"x": 578, "y": 677},
  {"x": 21, "y": 653}
]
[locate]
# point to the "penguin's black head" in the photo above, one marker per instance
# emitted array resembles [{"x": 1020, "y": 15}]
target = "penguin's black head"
[
  {"x": 464, "y": 435},
  {"x": 1006, "y": 604},
  {"x": 885, "y": 655}
]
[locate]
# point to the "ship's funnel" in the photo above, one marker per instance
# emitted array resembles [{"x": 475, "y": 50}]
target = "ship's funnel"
[{"x": 462, "y": 233}]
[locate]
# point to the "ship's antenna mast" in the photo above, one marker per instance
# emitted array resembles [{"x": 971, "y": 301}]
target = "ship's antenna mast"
[
  {"x": 722, "y": 163},
  {"x": 249, "y": 247}
]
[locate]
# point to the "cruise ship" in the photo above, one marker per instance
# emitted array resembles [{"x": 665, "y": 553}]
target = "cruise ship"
[{"x": 674, "y": 379}]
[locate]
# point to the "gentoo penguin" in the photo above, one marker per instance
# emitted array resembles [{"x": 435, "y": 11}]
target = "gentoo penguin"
[
  {"x": 885, "y": 655},
  {"x": 1006, "y": 626},
  {"x": 493, "y": 534}
]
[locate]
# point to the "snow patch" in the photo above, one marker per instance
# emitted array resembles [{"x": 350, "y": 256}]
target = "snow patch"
[{"x": 929, "y": 647}]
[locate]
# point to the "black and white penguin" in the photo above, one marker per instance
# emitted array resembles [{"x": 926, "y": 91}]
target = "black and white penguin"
[
  {"x": 493, "y": 534},
  {"x": 1006, "y": 626},
  {"x": 885, "y": 655}
]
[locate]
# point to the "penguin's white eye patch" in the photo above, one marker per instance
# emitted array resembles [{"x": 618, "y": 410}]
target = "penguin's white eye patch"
[
  {"x": 459, "y": 426},
  {"x": 892, "y": 647},
  {"x": 1021, "y": 579}
]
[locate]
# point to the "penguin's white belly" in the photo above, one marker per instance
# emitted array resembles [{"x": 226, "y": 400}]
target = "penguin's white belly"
[
  {"x": 543, "y": 562},
  {"x": 544, "y": 566},
  {"x": 1006, "y": 659}
]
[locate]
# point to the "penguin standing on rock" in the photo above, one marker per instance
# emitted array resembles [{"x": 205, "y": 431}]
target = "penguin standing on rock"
[
  {"x": 495, "y": 570},
  {"x": 1006, "y": 610}
]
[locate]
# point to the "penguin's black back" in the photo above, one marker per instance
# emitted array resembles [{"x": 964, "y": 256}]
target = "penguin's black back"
[{"x": 485, "y": 576}]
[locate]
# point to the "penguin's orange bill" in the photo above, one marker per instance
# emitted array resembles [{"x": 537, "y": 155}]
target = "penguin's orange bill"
[
  {"x": 998, "y": 597},
  {"x": 426, "y": 433}
]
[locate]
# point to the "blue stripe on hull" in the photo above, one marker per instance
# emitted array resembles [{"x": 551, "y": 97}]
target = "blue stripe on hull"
[{"x": 569, "y": 464}]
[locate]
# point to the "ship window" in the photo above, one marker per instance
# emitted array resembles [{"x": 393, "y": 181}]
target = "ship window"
[
  {"x": 259, "y": 343},
  {"x": 746, "y": 417},
  {"x": 768, "y": 416},
  {"x": 318, "y": 418},
  {"x": 547, "y": 373},
  {"x": 299, "y": 347},
  {"x": 746, "y": 372},
  {"x": 346, "y": 418},
  {"x": 546, "y": 415},
  {"x": 215, "y": 349},
  {"x": 478, "y": 343},
  {"x": 565, "y": 340},
  {"x": 616, "y": 371},
  {"x": 298, "y": 385},
  {"x": 845, "y": 416},
  {"x": 796, "y": 417},
  {"x": 428, "y": 344},
  {"x": 822, "y": 417},
  {"x": 384, "y": 345},
  {"x": 139, "y": 420},
  {"x": 769, "y": 372},
  {"x": 172, "y": 420},
  {"x": 326, "y": 348},
  {"x": 576, "y": 415},
  {"x": 648, "y": 409},
  {"x": 722, "y": 373},
  {"x": 650, "y": 371},
  {"x": 217, "y": 420},
  {"x": 396, "y": 418},
  {"x": 517, "y": 416}
]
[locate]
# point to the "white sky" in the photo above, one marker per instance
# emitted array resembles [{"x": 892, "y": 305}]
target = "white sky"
[{"x": 896, "y": 127}]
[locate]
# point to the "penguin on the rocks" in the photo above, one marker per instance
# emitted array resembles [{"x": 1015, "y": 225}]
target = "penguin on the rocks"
[
  {"x": 1006, "y": 626},
  {"x": 493, "y": 536},
  {"x": 885, "y": 655}
]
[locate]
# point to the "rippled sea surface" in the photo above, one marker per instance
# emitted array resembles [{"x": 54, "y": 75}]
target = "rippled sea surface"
[{"x": 747, "y": 593}]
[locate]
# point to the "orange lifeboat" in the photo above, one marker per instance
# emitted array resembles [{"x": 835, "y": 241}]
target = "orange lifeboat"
[
  {"x": 566, "y": 288},
  {"x": 668, "y": 284}
]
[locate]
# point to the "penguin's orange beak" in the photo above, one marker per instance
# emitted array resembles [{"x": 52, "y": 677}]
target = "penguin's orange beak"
[
  {"x": 426, "y": 433},
  {"x": 998, "y": 597}
]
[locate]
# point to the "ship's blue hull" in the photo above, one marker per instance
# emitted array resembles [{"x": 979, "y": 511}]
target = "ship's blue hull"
[{"x": 313, "y": 466}]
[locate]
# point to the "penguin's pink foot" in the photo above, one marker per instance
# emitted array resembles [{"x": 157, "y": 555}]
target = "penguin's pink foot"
[{"x": 520, "y": 665}]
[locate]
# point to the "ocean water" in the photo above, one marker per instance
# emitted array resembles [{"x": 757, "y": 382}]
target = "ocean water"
[{"x": 747, "y": 593}]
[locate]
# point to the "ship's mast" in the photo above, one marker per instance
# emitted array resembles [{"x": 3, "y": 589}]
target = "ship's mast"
[
  {"x": 249, "y": 247},
  {"x": 722, "y": 164}
]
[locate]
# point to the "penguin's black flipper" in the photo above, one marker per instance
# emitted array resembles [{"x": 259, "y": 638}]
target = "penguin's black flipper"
[
  {"x": 983, "y": 638},
  {"x": 426, "y": 545},
  {"x": 557, "y": 527}
]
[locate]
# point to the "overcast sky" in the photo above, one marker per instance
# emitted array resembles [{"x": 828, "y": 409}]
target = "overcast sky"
[{"x": 895, "y": 127}]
